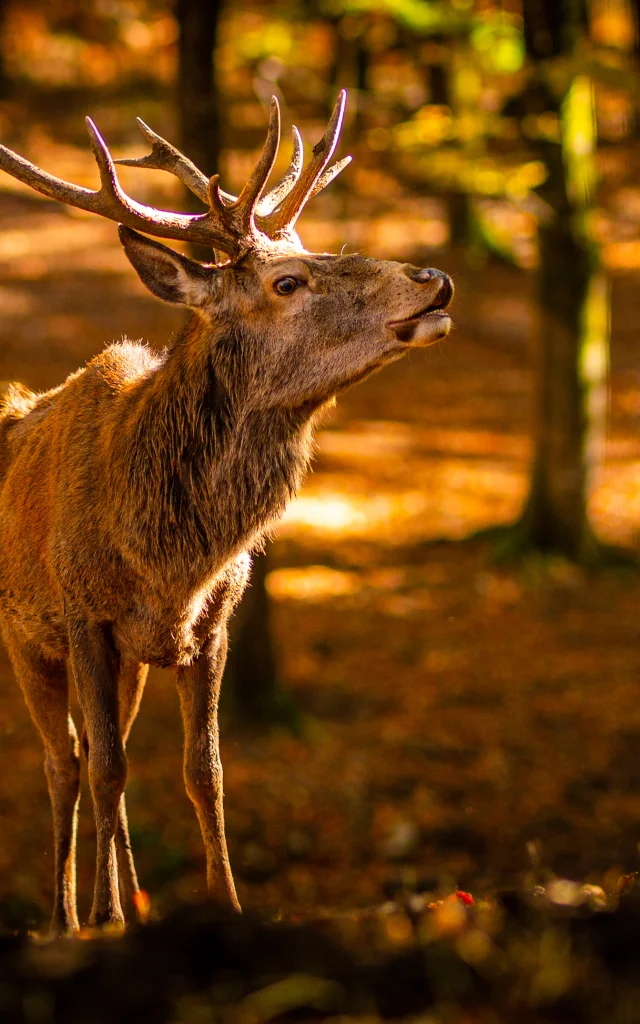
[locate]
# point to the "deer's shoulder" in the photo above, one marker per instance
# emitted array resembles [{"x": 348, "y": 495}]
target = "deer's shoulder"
[{"x": 123, "y": 364}]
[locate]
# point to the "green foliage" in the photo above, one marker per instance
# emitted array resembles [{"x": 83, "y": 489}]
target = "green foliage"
[
  {"x": 596, "y": 327},
  {"x": 424, "y": 17},
  {"x": 272, "y": 38},
  {"x": 579, "y": 141},
  {"x": 498, "y": 42},
  {"x": 450, "y": 168}
]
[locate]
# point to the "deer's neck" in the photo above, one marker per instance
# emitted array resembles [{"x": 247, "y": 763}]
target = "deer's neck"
[{"x": 211, "y": 471}]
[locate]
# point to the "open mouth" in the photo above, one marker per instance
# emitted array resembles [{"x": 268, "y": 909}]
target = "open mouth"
[
  {"x": 434, "y": 309},
  {"x": 428, "y": 324},
  {"x": 429, "y": 311}
]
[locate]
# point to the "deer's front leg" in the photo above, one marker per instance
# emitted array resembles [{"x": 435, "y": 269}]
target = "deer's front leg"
[
  {"x": 131, "y": 682},
  {"x": 95, "y": 670},
  {"x": 199, "y": 690}
]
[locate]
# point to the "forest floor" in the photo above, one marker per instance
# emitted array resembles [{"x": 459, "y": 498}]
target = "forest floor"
[{"x": 462, "y": 724}]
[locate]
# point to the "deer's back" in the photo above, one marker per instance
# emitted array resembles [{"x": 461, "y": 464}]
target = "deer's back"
[{"x": 52, "y": 499}]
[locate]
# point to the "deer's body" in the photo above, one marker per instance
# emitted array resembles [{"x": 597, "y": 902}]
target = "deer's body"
[
  {"x": 132, "y": 496},
  {"x": 121, "y": 492}
]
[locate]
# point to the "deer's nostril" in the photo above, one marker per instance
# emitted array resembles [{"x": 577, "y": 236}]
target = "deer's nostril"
[
  {"x": 442, "y": 281},
  {"x": 422, "y": 276}
]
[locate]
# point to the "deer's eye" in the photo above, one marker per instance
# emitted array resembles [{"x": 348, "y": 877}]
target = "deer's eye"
[{"x": 286, "y": 285}]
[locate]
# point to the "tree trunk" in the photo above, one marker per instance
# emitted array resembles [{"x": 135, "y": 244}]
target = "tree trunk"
[
  {"x": 350, "y": 68},
  {"x": 198, "y": 22},
  {"x": 573, "y": 296},
  {"x": 252, "y": 693},
  {"x": 4, "y": 80},
  {"x": 197, "y": 94},
  {"x": 251, "y": 689},
  {"x": 569, "y": 390},
  {"x": 252, "y": 661},
  {"x": 440, "y": 81}
]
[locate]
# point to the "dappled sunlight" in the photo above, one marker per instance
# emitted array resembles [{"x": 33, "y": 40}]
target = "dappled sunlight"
[
  {"x": 15, "y": 302},
  {"x": 456, "y": 498},
  {"x": 331, "y": 512},
  {"x": 52, "y": 237},
  {"x": 461, "y": 481},
  {"x": 63, "y": 58},
  {"x": 312, "y": 583},
  {"x": 615, "y": 504},
  {"x": 395, "y": 483},
  {"x": 386, "y": 440},
  {"x": 623, "y": 255},
  {"x": 386, "y": 236}
]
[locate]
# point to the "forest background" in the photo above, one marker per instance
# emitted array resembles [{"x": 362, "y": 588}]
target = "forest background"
[{"x": 434, "y": 676}]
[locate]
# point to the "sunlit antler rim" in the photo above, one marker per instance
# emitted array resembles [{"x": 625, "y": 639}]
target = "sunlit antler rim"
[{"x": 313, "y": 178}]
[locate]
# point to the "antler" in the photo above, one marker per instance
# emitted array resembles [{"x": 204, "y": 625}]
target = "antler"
[
  {"x": 165, "y": 157},
  {"x": 230, "y": 225},
  {"x": 112, "y": 202},
  {"x": 314, "y": 177},
  {"x": 277, "y": 212}
]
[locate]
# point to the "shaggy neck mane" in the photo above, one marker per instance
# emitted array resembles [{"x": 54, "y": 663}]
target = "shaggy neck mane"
[{"x": 210, "y": 472}]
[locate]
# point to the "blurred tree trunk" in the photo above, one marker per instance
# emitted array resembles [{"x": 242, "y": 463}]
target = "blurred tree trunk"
[
  {"x": 350, "y": 68},
  {"x": 4, "y": 80},
  {"x": 573, "y": 297},
  {"x": 251, "y": 660},
  {"x": 251, "y": 688},
  {"x": 197, "y": 94},
  {"x": 198, "y": 22},
  {"x": 442, "y": 93},
  {"x": 635, "y": 14},
  {"x": 252, "y": 693}
]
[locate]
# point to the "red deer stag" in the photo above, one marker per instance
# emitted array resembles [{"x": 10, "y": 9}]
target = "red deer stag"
[{"x": 133, "y": 494}]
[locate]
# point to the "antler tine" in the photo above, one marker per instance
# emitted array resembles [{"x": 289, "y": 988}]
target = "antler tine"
[
  {"x": 111, "y": 202},
  {"x": 327, "y": 176},
  {"x": 282, "y": 189},
  {"x": 165, "y": 157},
  {"x": 110, "y": 185},
  {"x": 286, "y": 215},
  {"x": 41, "y": 181},
  {"x": 252, "y": 191},
  {"x": 269, "y": 201}
]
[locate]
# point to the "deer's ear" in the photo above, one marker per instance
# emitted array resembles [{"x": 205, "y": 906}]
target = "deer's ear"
[{"x": 167, "y": 274}]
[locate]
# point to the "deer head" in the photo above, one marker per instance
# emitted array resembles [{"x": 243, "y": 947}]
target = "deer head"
[{"x": 297, "y": 327}]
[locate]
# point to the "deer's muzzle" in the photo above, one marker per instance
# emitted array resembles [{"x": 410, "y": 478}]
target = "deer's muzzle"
[{"x": 430, "y": 322}]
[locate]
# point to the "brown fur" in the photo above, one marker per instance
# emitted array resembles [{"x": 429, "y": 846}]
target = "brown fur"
[{"x": 132, "y": 495}]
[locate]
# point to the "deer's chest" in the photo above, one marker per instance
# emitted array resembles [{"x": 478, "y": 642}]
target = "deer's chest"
[{"x": 166, "y": 631}]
